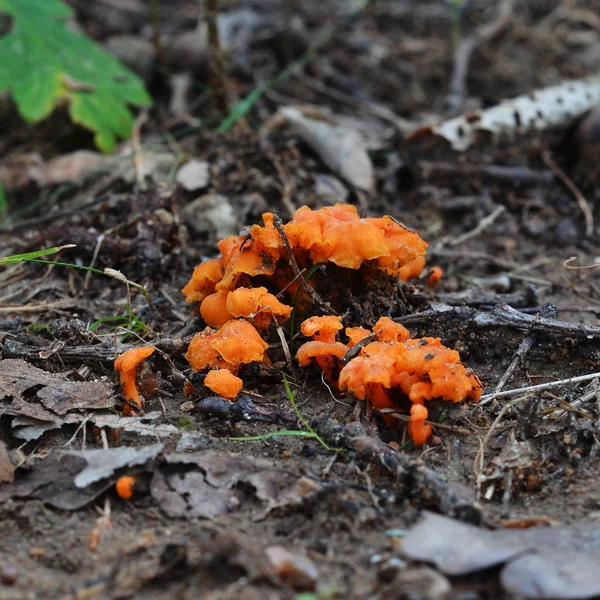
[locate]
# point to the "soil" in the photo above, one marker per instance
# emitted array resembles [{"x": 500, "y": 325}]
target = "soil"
[{"x": 536, "y": 465}]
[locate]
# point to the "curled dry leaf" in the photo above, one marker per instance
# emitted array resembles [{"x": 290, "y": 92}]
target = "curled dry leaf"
[{"x": 342, "y": 149}]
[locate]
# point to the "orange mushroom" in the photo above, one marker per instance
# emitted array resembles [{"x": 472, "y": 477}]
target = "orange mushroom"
[
  {"x": 214, "y": 309},
  {"x": 125, "y": 486},
  {"x": 224, "y": 383},
  {"x": 334, "y": 234},
  {"x": 324, "y": 348},
  {"x": 127, "y": 364},
  {"x": 322, "y": 329},
  {"x": 238, "y": 343},
  {"x": 258, "y": 305},
  {"x": 355, "y": 335},
  {"x": 435, "y": 275},
  {"x": 390, "y": 331},
  {"x": 418, "y": 430},
  {"x": 204, "y": 279}
]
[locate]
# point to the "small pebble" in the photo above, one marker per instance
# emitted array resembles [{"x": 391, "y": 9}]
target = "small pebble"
[{"x": 9, "y": 575}]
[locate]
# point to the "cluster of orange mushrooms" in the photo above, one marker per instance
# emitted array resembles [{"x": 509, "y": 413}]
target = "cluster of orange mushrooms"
[{"x": 242, "y": 293}]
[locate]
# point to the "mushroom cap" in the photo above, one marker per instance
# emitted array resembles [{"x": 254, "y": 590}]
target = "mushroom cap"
[
  {"x": 130, "y": 359},
  {"x": 224, "y": 383},
  {"x": 257, "y": 304},
  {"x": 320, "y": 350},
  {"x": 127, "y": 364},
  {"x": 323, "y": 328},
  {"x": 204, "y": 279},
  {"x": 238, "y": 342},
  {"x": 406, "y": 250},
  {"x": 356, "y": 334},
  {"x": 201, "y": 354},
  {"x": 417, "y": 429},
  {"x": 336, "y": 234},
  {"x": 390, "y": 331},
  {"x": 214, "y": 309},
  {"x": 362, "y": 372}
]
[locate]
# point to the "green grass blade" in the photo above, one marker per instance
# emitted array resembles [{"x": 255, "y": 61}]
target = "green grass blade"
[{"x": 29, "y": 256}]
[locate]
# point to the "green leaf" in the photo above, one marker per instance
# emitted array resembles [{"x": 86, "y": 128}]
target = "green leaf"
[{"x": 43, "y": 63}]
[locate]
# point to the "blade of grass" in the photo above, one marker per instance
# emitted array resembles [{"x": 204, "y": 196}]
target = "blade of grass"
[
  {"x": 244, "y": 105},
  {"x": 272, "y": 434},
  {"x": 29, "y": 256}
]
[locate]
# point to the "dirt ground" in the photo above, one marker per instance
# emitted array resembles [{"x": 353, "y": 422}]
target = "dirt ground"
[{"x": 498, "y": 220}]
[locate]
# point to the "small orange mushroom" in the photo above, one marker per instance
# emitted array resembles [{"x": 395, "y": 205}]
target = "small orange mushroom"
[
  {"x": 435, "y": 275},
  {"x": 214, "y": 309},
  {"x": 204, "y": 279},
  {"x": 125, "y": 486},
  {"x": 418, "y": 430},
  {"x": 355, "y": 335},
  {"x": 127, "y": 364},
  {"x": 237, "y": 342},
  {"x": 390, "y": 331},
  {"x": 322, "y": 329},
  {"x": 258, "y": 305},
  {"x": 224, "y": 383}
]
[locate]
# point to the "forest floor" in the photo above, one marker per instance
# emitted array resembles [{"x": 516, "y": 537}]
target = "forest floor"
[{"x": 213, "y": 516}]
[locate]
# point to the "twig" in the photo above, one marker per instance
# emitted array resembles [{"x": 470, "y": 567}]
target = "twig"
[
  {"x": 478, "y": 463},
  {"x": 487, "y": 398},
  {"x": 583, "y": 203},
  {"x": 156, "y": 36},
  {"x": 501, "y": 173},
  {"x": 548, "y": 311},
  {"x": 138, "y": 158},
  {"x": 217, "y": 63},
  {"x": 481, "y": 226},
  {"x": 462, "y": 57},
  {"x": 324, "y": 306},
  {"x": 501, "y": 316},
  {"x": 357, "y": 348}
]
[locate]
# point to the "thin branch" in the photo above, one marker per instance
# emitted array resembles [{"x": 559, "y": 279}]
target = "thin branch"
[
  {"x": 583, "y": 203},
  {"x": 487, "y": 398}
]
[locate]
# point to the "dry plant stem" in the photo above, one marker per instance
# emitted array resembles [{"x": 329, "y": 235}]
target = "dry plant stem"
[
  {"x": 462, "y": 57},
  {"x": 478, "y": 463},
  {"x": 581, "y": 201},
  {"x": 286, "y": 350},
  {"x": 487, "y": 398},
  {"x": 500, "y": 173},
  {"x": 354, "y": 351},
  {"x": 481, "y": 227},
  {"x": 138, "y": 159},
  {"x": 548, "y": 311},
  {"x": 156, "y": 36},
  {"x": 217, "y": 63},
  {"x": 324, "y": 306}
]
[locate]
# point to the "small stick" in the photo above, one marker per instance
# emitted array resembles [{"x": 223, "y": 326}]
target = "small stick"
[
  {"x": 487, "y": 398},
  {"x": 478, "y": 463},
  {"x": 481, "y": 226},
  {"x": 357, "y": 348},
  {"x": 583, "y": 203},
  {"x": 217, "y": 63},
  {"x": 464, "y": 52},
  {"x": 548, "y": 311},
  {"x": 324, "y": 306}
]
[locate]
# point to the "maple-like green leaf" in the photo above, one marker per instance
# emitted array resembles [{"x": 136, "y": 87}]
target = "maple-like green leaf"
[{"x": 43, "y": 62}]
